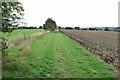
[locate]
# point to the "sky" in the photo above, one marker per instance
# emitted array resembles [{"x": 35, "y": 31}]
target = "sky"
[{"x": 72, "y": 13}]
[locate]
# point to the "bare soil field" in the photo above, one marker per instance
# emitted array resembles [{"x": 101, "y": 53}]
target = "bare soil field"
[{"x": 104, "y": 44}]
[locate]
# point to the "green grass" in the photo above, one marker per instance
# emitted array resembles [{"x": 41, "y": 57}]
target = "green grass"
[
  {"x": 19, "y": 33},
  {"x": 55, "y": 56}
]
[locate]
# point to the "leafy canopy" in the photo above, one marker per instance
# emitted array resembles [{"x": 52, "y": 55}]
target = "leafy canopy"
[
  {"x": 50, "y": 25},
  {"x": 12, "y": 13}
]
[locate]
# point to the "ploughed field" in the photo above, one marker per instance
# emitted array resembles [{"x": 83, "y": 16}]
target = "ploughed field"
[
  {"x": 103, "y": 43},
  {"x": 52, "y": 55}
]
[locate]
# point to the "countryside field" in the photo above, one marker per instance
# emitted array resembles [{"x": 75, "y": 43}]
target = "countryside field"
[{"x": 42, "y": 54}]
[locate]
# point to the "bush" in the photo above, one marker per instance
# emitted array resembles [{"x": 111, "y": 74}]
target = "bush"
[{"x": 4, "y": 46}]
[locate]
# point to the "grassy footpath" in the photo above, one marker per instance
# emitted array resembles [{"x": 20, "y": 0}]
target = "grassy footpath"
[{"x": 54, "y": 55}]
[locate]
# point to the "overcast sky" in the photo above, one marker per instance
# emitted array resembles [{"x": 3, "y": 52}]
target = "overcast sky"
[{"x": 82, "y": 13}]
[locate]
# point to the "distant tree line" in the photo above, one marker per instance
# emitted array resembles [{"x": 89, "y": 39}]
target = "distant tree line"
[
  {"x": 27, "y": 27},
  {"x": 31, "y": 27},
  {"x": 69, "y": 28},
  {"x": 78, "y": 28}
]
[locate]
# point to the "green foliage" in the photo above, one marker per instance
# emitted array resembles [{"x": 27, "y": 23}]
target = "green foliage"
[
  {"x": 12, "y": 13},
  {"x": 50, "y": 25},
  {"x": 4, "y": 46}
]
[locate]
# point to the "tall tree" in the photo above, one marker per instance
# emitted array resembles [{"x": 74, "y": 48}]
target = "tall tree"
[
  {"x": 12, "y": 13},
  {"x": 50, "y": 24}
]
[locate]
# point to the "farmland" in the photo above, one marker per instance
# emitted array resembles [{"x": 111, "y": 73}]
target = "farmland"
[
  {"x": 20, "y": 33},
  {"x": 104, "y": 44},
  {"x": 52, "y": 55}
]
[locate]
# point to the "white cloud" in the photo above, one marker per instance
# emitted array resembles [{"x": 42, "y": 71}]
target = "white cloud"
[{"x": 72, "y": 12}]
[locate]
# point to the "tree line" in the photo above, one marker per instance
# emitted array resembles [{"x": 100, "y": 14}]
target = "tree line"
[{"x": 78, "y": 28}]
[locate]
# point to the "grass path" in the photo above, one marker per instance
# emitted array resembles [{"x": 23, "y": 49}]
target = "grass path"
[{"x": 55, "y": 55}]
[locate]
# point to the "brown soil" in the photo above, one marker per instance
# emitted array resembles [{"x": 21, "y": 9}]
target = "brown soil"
[{"x": 102, "y": 43}]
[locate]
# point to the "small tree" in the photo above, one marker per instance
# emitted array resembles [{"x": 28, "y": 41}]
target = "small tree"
[{"x": 50, "y": 25}]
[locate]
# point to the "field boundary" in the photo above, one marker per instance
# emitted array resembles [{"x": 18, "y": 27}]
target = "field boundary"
[
  {"x": 25, "y": 39},
  {"x": 109, "y": 59}
]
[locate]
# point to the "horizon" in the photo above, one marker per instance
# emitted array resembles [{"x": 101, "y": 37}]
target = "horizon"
[{"x": 72, "y": 26}]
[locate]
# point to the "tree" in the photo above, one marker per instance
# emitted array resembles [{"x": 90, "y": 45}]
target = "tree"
[
  {"x": 40, "y": 27},
  {"x": 77, "y": 28},
  {"x": 92, "y": 29},
  {"x": 59, "y": 27},
  {"x": 12, "y": 13},
  {"x": 69, "y": 28},
  {"x": 106, "y": 29},
  {"x": 50, "y": 25}
]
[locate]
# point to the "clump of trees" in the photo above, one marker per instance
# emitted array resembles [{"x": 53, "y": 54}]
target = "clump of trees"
[
  {"x": 84, "y": 29},
  {"x": 31, "y": 27},
  {"x": 12, "y": 13},
  {"x": 59, "y": 27},
  {"x": 78, "y": 28},
  {"x": 40, "y": 27},
  {"x": 50, "y": 25},
  {"x": 106, "y": 29},
  {"x": 70, "y": 28},
  {"x": 92, "y": 29}
]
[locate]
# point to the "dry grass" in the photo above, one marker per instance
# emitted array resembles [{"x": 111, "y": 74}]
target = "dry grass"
[
  {"x": 26, "y": 51},
  {"x": 30, "y": 38}
]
